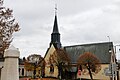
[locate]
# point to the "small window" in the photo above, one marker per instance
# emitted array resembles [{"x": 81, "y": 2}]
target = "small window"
[
  {"x": 51, "y": 68},
  {"x": 23, "y": 72}
]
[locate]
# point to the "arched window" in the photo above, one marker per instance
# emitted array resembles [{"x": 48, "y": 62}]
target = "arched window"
[{"x": 51, "y": 68}]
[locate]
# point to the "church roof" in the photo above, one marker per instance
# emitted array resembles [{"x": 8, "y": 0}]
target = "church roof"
[{"x": 101, "y": 50}]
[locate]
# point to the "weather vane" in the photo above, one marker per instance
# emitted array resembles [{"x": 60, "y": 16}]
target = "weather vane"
[{"x": 55, "y": 8}]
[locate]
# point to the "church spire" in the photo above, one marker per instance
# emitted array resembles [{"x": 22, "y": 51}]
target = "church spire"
[
  {"x": 55, "y": 36},
  {"x": 55, "y": 27}
]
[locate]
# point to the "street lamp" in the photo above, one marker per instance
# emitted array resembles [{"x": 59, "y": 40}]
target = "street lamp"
[
  {"x": 113, "y": 67},
  {"x": 117, "y": 62},
  {"x": 108, "y": 38}
]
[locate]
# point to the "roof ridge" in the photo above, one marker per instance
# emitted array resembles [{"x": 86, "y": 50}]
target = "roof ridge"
[{"x": 89, "y": 44}]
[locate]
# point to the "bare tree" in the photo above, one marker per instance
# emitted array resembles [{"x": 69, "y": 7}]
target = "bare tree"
[
  {"x": 7, "y": 27},
  {"x": 91, "y": 62},
  {"x": 34, "y": 63},
  {"x": 61, "y": 60}
]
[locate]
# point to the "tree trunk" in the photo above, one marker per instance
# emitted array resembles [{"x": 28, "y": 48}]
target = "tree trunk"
[
  {"x": 34, "y": 72},
  {"x": 90, "y": 72},
  {"x": 59, "y": 70}
]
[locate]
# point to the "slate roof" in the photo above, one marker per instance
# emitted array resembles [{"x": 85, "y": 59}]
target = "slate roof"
[{"x": 101, "y": 50}]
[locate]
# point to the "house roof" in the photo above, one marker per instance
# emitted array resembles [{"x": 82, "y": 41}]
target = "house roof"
[{"x": 101, "y": 50}]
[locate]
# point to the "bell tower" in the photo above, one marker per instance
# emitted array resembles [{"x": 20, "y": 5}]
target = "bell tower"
[{"x": 55, "y": 36}]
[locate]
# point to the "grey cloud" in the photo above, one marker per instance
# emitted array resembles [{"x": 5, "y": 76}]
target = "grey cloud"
[
  {"x": 80, "y": 21},
  {"x": 95, "y": 27}
]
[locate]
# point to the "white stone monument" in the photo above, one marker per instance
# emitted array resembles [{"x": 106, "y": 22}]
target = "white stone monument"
[{"x": 10, "y": 69}]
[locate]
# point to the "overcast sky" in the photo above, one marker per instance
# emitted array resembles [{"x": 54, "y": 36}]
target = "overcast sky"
[{"x": 80, "y": 22}]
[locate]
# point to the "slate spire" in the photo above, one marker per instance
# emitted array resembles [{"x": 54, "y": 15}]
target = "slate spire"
[
  {"x": 55, "y": 27},
  {"x": 55, "y": 36}
]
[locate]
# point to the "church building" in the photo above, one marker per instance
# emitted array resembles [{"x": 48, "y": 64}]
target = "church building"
[{"x": 101, "y": 50}]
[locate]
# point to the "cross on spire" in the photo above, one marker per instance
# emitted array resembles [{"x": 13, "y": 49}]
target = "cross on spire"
[{"x": 56, "y": 9}]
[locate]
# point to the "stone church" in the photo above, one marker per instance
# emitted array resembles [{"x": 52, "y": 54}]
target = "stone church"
[{"x": 101, "y": 50}]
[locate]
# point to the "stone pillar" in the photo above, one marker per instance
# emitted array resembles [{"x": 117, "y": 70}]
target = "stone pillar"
[{"x": 10, "y": 70}]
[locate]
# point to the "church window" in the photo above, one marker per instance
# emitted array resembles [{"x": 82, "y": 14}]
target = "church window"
[
  {"x": 80, "y": 67},
  {"x": 51, "y": 68},
  {"x": 93, "y": 68}
]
